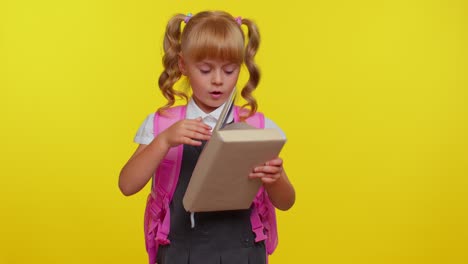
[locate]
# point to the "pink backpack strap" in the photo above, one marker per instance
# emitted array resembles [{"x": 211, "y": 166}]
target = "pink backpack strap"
[
  {"x": 256, "y": 221},
  {"x": 173, "y": 159},
  {"x": 257, "y": 120},
  {"x": 266, "y": 217},
  {"x": 157, "y": 213},
  {"x": 174, "y": 156},
  {"x": 263, "y": 216}
]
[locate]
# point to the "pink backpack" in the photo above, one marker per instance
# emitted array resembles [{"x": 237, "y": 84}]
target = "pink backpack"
[{"x": 157, "y": 212}]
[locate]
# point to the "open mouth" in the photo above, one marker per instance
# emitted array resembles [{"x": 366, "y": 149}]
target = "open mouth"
[{"x": 216, "y": 94}]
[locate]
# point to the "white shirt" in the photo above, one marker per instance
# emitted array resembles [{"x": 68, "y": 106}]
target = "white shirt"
[{"x": 145, "y": 133}]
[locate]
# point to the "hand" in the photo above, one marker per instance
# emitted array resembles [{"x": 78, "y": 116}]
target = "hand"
[
  {"x": 187, "y": 131},
  {"x": 270, "y": 172}
]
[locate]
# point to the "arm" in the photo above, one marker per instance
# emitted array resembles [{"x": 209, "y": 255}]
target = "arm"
[
  {"x": 141, "y": 166},
  {"x": 276, "y": 182}
]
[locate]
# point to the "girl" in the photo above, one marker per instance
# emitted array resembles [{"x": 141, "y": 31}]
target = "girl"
[{"x": 209, "y": 52}]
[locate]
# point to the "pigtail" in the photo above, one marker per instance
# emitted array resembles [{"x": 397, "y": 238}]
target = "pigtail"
[
  {"x": 171, "y": 73},
  {"x": 254, "y": 71}
]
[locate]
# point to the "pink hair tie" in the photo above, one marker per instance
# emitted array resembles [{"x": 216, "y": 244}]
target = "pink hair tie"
[
  {"x": 239, "y": 20},
  {"x": 187, "y": 17}
]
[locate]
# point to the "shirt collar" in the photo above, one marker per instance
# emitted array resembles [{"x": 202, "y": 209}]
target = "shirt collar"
[{"x": 193, "y": 111}]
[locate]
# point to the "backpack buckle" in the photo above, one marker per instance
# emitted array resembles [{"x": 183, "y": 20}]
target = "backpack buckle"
[{"x": 259, "y": 234}]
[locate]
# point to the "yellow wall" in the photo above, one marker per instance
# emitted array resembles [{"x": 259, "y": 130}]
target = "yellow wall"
[{"x": 371, "y": 94}]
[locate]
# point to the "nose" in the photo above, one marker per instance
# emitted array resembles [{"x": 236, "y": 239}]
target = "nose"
[{"x": 217, "y": 78}]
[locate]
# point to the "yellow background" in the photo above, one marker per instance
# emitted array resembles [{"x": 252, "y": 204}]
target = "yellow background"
[{"x": 371, "y": 94}]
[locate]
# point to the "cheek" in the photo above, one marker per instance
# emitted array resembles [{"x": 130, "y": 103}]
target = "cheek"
[
  {"x": 233, "y": 79},
  {"x": 197, "y": 81}
]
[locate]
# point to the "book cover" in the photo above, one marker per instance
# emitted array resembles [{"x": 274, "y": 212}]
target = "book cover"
[{"x": 220, "y": 179}]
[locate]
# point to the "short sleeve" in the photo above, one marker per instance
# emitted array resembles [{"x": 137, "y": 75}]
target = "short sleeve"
[
  {"x": 145, "y": 133},
  {"x": 270, "y": 124}
]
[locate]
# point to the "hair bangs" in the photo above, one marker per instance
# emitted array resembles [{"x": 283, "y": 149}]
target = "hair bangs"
[{"x": 215, "y": 40}]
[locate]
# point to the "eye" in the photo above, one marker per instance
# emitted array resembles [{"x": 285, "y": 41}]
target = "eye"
[
  {"x": 204, "y": 69},
  {"x": 229, "y": 70}
]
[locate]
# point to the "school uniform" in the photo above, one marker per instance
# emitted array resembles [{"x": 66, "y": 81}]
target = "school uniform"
[{"x": 216, "y": 237}]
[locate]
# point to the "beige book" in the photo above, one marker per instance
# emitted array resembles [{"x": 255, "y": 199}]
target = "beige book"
[{"x": 220, "y": 179}]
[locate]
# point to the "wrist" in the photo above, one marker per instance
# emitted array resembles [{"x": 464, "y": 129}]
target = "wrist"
[{"x": 161, "y": 144}]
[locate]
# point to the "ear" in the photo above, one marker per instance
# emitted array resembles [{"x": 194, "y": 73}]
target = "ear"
[{"x": 181, "y": 64}]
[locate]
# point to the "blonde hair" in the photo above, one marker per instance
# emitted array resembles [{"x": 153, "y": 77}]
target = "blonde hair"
[{"x": 209, "y": 34}]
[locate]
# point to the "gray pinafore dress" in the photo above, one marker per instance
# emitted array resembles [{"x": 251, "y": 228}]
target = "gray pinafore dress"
[{"x": 223, "y": 237}]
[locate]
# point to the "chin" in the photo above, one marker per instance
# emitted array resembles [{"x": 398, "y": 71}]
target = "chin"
[
  {"x": 214, "y": 107},
  {"x": 215, "y": 104}
]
